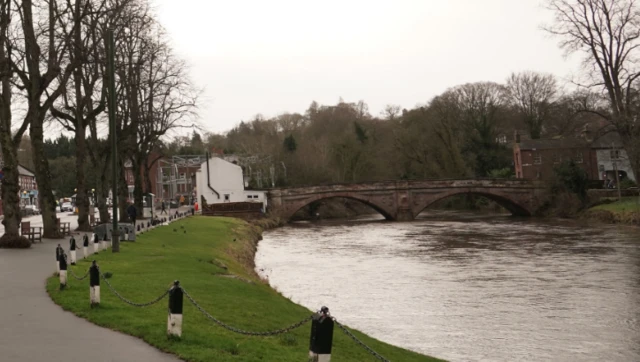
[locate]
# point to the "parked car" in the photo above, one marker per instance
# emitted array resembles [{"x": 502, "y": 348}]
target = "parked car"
[
  {"x": 32, "y": 210},
  {"x": 66, "y": 206}
]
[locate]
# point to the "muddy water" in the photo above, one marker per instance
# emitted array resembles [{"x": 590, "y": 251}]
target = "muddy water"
[{"x": 469, "y": 288}]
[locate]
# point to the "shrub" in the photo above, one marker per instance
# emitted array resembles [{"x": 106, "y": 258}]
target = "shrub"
[
  {"x": 627, "y": 183},
  {"x": 506, "y": 172},
  {"x": 572, "y": 178}
]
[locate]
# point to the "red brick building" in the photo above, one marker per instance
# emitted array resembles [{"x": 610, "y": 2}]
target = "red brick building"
[
  {"x": 28, "y": 188},
  {"x": 536, "y": 159},
  {"x": 171, "y": 177}
]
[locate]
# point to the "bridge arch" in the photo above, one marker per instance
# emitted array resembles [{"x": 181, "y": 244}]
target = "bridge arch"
[
  {"x": 512, "y": 204},
  {"x": 295, "y": 207}
]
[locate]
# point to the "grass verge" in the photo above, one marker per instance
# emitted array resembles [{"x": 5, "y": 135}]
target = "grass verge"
[
  {"x": 625, "y": 211},
  {"x": 214, "y": 262}
]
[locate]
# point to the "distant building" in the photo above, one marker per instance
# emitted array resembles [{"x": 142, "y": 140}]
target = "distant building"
[
  {"x": 220, "y": 181},
  {"x": 611, "y": 156},
  {"x": 536, "y": 159},
  {"x": 28, "y": 188}
]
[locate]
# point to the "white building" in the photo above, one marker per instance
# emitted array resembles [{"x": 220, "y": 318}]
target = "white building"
[
  {"x": 225, "y": 184},
  {"x": 611, "y": 156}
]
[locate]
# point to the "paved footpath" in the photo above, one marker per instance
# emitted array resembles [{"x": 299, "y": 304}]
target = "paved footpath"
[{"x": 34, "y": 329}]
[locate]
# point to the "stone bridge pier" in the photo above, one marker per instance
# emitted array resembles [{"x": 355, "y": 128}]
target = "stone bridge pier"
[{"x": 404, "y": 200}]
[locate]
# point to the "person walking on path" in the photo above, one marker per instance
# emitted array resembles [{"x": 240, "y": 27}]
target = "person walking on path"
[
  {"x": 131, "y": 210},
  {"x": 163, "y": 207}
]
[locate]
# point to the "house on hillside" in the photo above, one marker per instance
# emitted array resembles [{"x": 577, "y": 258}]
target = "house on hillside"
[
  {"x": 220, "y": 181},
  {"x": 599, "y": 157},
  {"x": 536, "y": 159}
]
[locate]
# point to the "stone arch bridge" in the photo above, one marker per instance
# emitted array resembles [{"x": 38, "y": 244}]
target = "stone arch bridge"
[{"x": 404, "y": 200}]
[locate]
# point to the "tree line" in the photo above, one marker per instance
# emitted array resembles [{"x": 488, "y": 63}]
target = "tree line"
[{"x": 53, "y": 68}]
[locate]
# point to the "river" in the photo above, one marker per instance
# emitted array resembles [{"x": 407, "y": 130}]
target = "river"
[{"x": 469, "y": 287}]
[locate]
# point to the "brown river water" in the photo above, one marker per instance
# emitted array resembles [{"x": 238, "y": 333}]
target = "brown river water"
[{"x": 468, "y": 287}]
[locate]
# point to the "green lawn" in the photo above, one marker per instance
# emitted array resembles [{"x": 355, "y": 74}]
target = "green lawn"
[
  {"x": 202, "y": 259},
  {"x": 625, "y": 205}
]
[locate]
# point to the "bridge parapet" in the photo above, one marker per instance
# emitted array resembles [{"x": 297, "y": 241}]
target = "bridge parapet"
[{"x": 403, "y": 200}]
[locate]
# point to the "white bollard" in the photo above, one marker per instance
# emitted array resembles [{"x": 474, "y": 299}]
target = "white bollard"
[
  {"x": 174, "y": 321},
  {"x": 321, "y": 336},
  {"x": 94, "y": 284},
  {"x": 85, "y": 246},
  {"x": 72, "y": 253},
  {"x": 58, "y": 252},
  {"x": 63, "y": 270},
  {"x": 96, "y": 243}
]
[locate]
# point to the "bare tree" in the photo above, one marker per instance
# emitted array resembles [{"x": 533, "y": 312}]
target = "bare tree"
[
  {"x": 9, "y": 140},
  {"x": 391, "y": 112},
  {"x": 533, "y": 95},
  {"x": 43, "y": 71},
  {"x": 84, "y": 99},
  {"x": 607, "y": 33}
]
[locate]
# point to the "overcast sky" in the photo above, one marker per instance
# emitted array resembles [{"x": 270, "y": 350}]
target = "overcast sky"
[{"x": 275, "y": 56}]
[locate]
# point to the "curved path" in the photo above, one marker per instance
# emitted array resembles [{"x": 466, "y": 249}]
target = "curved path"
[{"x": 34, "y": 329}]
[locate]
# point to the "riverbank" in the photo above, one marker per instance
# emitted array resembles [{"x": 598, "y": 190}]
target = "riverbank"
[
  {"x": 625, "y": 211},
  {"x": 214, "y": 260}
]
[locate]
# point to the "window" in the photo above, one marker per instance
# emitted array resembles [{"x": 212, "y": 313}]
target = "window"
[
  {"x": 615, "y": 154},
  {"x": 538, "y": 175},
  {"x": 579, "y": 157},
  {"x": 537, "y": 159},
  {"x": 249, "y": 197},
  {"x": 255, "y": 196},
  {"x": 226, "y": 197},
  {"x": 557, "y": 158},
  {"x": 502, "y": 139}
]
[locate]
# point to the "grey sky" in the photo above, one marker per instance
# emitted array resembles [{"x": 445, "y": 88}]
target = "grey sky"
[{"x": 275, "y": 56}]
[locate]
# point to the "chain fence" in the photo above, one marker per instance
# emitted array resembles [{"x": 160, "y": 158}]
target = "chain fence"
[
  {"x": 355, "y": 339},
  {"x": 241, "y": 331},
  {"x": 73, "y": 274},
  {"x": 159, "y": 298},
  {"x": 228, "y": 327}
]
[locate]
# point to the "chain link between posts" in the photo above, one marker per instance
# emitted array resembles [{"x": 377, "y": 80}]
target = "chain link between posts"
[
  {"x": 240, "y": 331},
  {"x": 355, "y": 339},
  {"x": 130, "y": 302},
  {"x": 73, "y": 274}
]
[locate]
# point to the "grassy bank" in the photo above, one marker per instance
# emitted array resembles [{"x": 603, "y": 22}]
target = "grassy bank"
[
  {"x": 214, "y": 263},
  {"x": 625, "y": 211}
]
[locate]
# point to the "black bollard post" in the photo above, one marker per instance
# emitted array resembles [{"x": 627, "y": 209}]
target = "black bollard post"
[
  {"x": 94, "y": 284},
  {"x": 96, "y": 242},
  {"x": 321, "y": 336},
  {"x": 63, "y": 270},
  {"x": 174, "y": 323},
  {"x": 72, "y": 250},
  {"x": 85, "y": 246},
  {"x": 58, "y": 250}
]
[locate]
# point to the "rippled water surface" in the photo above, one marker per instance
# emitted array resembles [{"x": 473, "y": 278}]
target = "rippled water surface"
[{"x": 469, "y": 288}]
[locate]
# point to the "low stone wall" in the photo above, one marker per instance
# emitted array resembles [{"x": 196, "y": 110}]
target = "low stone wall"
[{"x": 600, "y": 194}]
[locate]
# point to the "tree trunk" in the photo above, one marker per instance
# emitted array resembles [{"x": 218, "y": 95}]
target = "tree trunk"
[
  {"x": 10, "y": 197},
  {"x": 101, "y": 197},
  {"x": 147, "y": 179},
  {"x": 82, "y": 201},
  {"x": 123, "y": 193},
  {"x": 43, "y": 176},
  {"x": 136, "y": 168}
]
